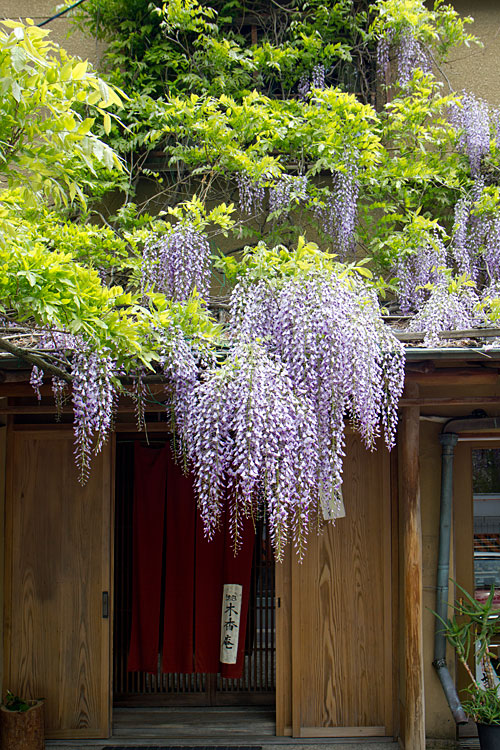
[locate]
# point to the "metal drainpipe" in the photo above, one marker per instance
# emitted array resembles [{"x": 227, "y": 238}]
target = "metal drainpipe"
[
  {"x": 448, "y": 439},
  {"x": 448, "y": 442}
]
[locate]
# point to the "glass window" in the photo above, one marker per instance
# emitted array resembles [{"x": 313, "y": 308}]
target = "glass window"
[{"x": 486, "y": 495}]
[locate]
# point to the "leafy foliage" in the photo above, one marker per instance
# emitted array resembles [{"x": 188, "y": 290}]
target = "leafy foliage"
[
  {"x": 472, "y": 631},
  {"x": 14, "y": 703}
]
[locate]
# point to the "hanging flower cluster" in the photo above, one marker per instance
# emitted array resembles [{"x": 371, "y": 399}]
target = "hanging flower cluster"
[
  {"x": 252, "y": 442},
  {"x": 59, "y": 391},
  {"x": 476, "y": 237},
  {"x": 338, "y": 212},
  {"x": 318, "y": 77},
  {"x": 251, "y": 195},
  {"x": 286, "y": 189},
  {"x": 177, "y": 263},
  {"x": 338, "y": 353},
  {"x": 36, "y": 381},
  {"x": 383, "y": 54},
  {"x": 472, "y": 118},
  {"x": 409, "y": 54},
  {"x": 416, "y": 270},
  {"x": 316, "y": 81},
  {"x": 94, "y": 402},
  {"x": 180, "y": 364},
  {"x": 449, "y": 307}
]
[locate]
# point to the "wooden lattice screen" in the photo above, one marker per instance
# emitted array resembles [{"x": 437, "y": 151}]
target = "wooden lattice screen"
[{"x": 257, "y": 686}]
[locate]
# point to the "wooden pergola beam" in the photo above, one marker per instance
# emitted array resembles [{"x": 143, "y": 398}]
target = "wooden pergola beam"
[
  {"x": 459, "y": 376},
  {"x": 414, "y": 713}
]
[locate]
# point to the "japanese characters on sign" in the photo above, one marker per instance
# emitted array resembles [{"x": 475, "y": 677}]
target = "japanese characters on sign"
[{"x": 230, "y": 622}]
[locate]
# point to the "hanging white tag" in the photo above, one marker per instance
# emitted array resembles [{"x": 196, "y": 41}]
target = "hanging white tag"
[
  {"x": 333, "y": 507},
  {"x": 230, "y": 623}
]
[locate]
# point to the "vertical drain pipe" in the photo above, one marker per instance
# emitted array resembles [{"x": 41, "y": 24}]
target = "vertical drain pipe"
[{"x": 448, "y": 441}]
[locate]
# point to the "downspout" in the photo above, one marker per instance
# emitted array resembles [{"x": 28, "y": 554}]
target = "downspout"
[{"x": 448, "y": 440}]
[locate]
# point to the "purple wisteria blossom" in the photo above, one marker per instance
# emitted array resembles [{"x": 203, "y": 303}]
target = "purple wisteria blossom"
[
  {"x": 461, "y": 248},
  {"x": 287, "y": 189},
  {"x": 138, "y": 395},
  {"x": 449, "y": 307},
  {"x": 383, "y": 54},
  {"x": 303, "y": 87},
  {"x": 472, "y": 119},
  {"x": 251, "y": 195},
  {"x": 177, "y": 263},
  {"x": 317, "y": 80},
  {"x": 36, "y": 380},
  {"x": 180, "y": 362},
  {"x": 253, "y": 445},
  {"x": 492, "y": 249},
  {"x": 409, "y": 54},
  {"x": 318, "y": 77},
  {"x": 491, "y": 291},
  {"x": 338, "y": 212},
  {"x": 476, "y": 237},
  {"x": 338, "y": 353},
  {"x": 420, "y": 267},
  {"x": 59, "y": 391},
  {"x": 94, "y": 404}
]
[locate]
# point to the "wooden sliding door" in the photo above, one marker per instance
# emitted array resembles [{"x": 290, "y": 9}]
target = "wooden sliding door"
[
  {"x": 334, "y": 621},
  {"x": 57, "y": 635}
]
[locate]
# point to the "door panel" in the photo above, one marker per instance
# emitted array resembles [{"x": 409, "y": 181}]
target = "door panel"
[
  {"x": 57, "y": 568},
  {"x": 338, "y": 628}
]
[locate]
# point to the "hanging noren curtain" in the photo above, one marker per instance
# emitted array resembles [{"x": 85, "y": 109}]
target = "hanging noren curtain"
[{"x": 171, "y": 557}]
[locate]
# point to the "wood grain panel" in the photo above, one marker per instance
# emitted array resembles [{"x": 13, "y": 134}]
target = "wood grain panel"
[
  {"x": 408, "y": 440},
  {"x": 332, "y": 732},
  {"x": 341, "y": 611},
  {"x": 58, "y": 565}
]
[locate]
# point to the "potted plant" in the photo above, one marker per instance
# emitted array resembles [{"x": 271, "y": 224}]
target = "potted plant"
[
  {"x": 473, "y": 630},
  {"x": 21, "y": 723}
]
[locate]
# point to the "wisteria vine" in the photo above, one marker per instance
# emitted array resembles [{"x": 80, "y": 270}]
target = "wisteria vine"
[
  {"x": 177, "y": 263},
  {"x": 409, "y": 54},
  {"x": 337, "y": 213},
  {"x": 338, "y": 353},
  {"x": 252, "y": 442}
]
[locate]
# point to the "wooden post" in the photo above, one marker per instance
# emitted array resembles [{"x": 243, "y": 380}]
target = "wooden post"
[{"x": 414, "y": 716}]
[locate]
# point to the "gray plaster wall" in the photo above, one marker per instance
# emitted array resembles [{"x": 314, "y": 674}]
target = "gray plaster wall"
[{"x": 61, "y": 29}]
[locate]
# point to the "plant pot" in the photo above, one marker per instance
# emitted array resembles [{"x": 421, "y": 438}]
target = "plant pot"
[
  {"x": 22, "y": 730},
  {"x": 489, "y": 736}
]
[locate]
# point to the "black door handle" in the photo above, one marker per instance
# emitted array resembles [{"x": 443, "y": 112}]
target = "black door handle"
[{"x": 105, "y": 604}]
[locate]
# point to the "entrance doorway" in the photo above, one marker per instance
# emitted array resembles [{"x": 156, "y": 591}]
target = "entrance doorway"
[{"x": 168, "y": 689}]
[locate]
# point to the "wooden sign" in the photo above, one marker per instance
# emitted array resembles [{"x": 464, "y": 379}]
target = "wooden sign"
[{"x": 230, "y": 622}]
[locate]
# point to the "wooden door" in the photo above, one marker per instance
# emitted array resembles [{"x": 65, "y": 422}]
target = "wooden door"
[
  {"x": 334, "y": 622},
  {"x": 57, "y": 636}
]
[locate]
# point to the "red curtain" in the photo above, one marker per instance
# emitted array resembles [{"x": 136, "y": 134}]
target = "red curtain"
[
  {"x": 150, "y": 472},
  {"x": 195, "y": 573},
  {"x": 178, "y": 644}
]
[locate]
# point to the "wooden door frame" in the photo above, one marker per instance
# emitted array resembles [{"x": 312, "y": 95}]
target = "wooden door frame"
[{"x": 211, "y": 696}]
